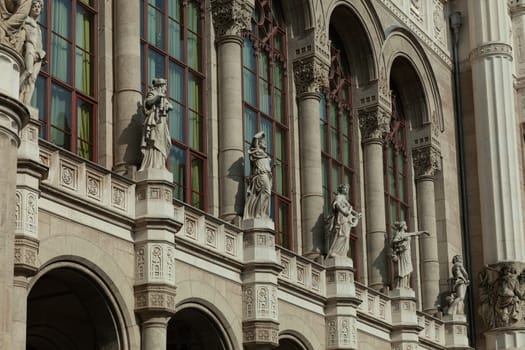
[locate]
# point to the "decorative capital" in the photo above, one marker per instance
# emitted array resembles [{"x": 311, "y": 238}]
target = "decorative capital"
[
  {"x": 500, "y": 49},
  {"x": 230, "y": 17},
  {"x": 158, "y": 299},
  {"x": 427, "y": 161},
  {"x": 310, "y": 75},
  {"x": 501, "y": 296},
  {"x": 374, "y": 122}
]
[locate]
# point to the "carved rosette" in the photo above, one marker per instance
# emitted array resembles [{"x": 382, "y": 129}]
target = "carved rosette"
[
  {"x": 502, "y": 296},
  {"x": 374, "y": 123},
  {"x": 155, "y": 298},
  {"x": 26, "y": 256},
  {"x": 310, "y": 76},
  {"x": 427, "y": 161},
  {"x": 230, "y": 17}
]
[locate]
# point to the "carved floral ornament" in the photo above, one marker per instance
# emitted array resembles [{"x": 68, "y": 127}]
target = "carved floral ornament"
[
  {"x": 427, "y": 161},
  {"x": 230, "y": 17},
  {"x": 374, "y": 123},
  {"x": 310, "y": 76}
]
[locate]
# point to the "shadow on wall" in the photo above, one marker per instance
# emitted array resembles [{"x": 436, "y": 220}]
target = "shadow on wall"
[
  {"x": 132, "y": 136},
  {"x": 235, "y": 173}
]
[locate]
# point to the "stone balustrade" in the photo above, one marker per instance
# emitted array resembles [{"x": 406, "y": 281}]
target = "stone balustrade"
[
  {"x": 301, "y": 272},
  {"x": 433, "y": 330},
  {"x": 375, "y": 304}
]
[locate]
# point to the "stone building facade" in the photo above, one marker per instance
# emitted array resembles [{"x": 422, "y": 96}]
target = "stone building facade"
[{"x": 416, "y": 105}]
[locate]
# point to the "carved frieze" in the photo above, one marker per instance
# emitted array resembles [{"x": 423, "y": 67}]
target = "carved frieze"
[
  {"x": 310, "y": 76},
  {"x": 502, "y": 296},
  {"x": 374, "y": 123},
  {"x": 230, "y": 17},
  {"x": 427, "y": 161},
  {"x": 491, "y": 49}
]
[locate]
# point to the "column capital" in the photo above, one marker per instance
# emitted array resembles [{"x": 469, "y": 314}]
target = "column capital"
[
  {"x": 500, "y": 49},
  {"x": 427, "y": 161},
  {"x": 230, "y": 18},
  {"x": 310, "y": 76},
  {"x": 516, "y": 7},
  {"x": 374, "y": 122}
]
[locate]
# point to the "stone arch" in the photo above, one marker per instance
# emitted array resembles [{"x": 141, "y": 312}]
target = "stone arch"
[
  {"x": 401, "y": 47},
  {"x": 362, "y": 36},
  {"x": 292, "y": 340},
  {"x": 91, "y": 259},
  {"x": 302, "y": 328},
  {"x": 298, "y": 15},
  {"x": 201, "y": 294},
  {"x": 71, "y": 306}
]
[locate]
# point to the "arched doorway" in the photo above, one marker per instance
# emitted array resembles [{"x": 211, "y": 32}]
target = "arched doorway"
[
  {"x": 194, "y": 329},
  {"x": 67, "y": 310}
]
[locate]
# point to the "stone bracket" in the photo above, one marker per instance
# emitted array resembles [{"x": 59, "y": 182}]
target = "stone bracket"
[
  {"x": 260, "y": 333},
  {"x": 155, "y": 298},
  {"x": 26, "y": 256}
]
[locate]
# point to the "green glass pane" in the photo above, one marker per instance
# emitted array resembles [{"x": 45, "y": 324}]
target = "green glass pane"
[
  {"x": 279, "y": 106},
  {"x": 84, "y": 26},
  {"x": 280, "y": 178},
  {"x": 333, "y": 114},
  {"x": 195, "y": 131},
  {"x": 177, "y": 123},
  {"x": 194, "y": 51},
  {"x": 193, "y": 16},
  {"x": 404, "y": 214},
  {"x": 278, "y": 42},
  {"x": 346, "y": 151},
  {"x": 176, "y": 82},
  {"x": 401, "y": 187},
  {"x": 248, "y": 55},
  {"x": 177, "y": 162},
  {"x": 156, "y": 27},
  {"x": 283, "y": 225},
  {"x": 83, "y": 72},
  {"x": 322, "y": 107},
  {"x": 263, "y": 66},
  {"x": 250, "y": 124},
  {"x": 249, "y": 87},
  {"x": 334, "y": 173},
  {"x": 61, "y": 108},
  {"x": 61, "y": 17},
  {"x": 264, "y": 97},
  {"x": 197, "y": 183},
  {"x": 345, "y": 121},
  {"x": 391, "y": 181},
  {"x": 43, "y": 15},
  {"x": 194, "y": 92},
  {"x": 60, "y": 58},
  {"x": 324, "y": 171},
  {"x": 266, "y": 126},
  {"x": 334, "y": 147},
  {"x": 85, "y": 121},
  {"x": 142, "y": 19},
  {"x": 38, "y": 100},
  {"x": 175, "y": 40},
  {"x": 158, "y": 3},
  {"x": 156, "y": 66},
  {"x": 400, "y": 163},
  {"x": 278, "y": 76},
  {"x": 60, "y": 138},
  {"x": 85, "y": 150},
  {"x": 174, "y": 7},
  {"x": 393, "y": 211},
  {"x": 246, "y": 159},
  {"x": 280, "y": 144}
]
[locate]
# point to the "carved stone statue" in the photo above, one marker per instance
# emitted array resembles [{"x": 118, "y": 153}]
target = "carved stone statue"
[
  {"x": 458, "y": 287},
  {"x": 401, "y": 254},
  {"x": 260, "y": 181},
  {"x": 156, "y": 139},
  {"x": 13, "y": 14},
  {"x": 340, "y": 223},
  {"x": 502, "y": 298},
  {"x": 33, "y": 52}
]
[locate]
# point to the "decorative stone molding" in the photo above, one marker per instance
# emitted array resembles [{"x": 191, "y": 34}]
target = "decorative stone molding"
[
  {"x": 155, "y": 298},
  {"x": 260, "y": 301},
  {"x": 26, "y": 212},
  {"x": 310, "y": 76},
  {"x": 263, "y": 333},
  {"x": 341, "y": 332},
  {"x": 499, "y": 309},
  {"x": 438, "y": 19},
  {"x": 26, "y": 256},
  {"x": 491, "y": 49},
  {"x": 427, "y": 161},
  {"x": 230, "y": 17},
  {"x": 155, "y": 263},
  {"x": 374, "y": 123}
]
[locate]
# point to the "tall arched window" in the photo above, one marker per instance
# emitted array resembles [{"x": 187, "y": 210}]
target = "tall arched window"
[
  {"x": 65, "y": 91},
  {"x": 264, "y": 97},
  {"x": 395, "y": 162},
  {"x": 337, "y": 143},
  {"x": 172, "y": 47}
]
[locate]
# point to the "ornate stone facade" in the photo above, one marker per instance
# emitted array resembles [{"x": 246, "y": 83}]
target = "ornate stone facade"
[
  {"x": 310, "y": 76},
  {"x": 374, "y": 123},
  {"x": 427, "y": 161},
  {"x": 230, "y": 17}
]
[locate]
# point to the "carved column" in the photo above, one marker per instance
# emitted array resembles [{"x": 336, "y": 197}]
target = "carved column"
[
  {"x": 427, "y": 161},
  {"x": 310, "y": 76},
  {"x": 13, "y": 116},
  {"x": 341, "y": 305},
  {"x": 501, "y": 209},
  {"x": 230, "y": 17},
  {"x": 127, "y": 132},
  {"x": 29, "y": 174},
  {"x": 374, "y": 122},
  {"x": 154, "y": 255},
  {"x": 260, "y": 322}
]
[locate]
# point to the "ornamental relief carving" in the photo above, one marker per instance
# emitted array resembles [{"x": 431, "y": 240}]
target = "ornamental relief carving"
[
  {"x": 156, "y": 262},
  {"x": 373, "y": 124},
  {"x": 310, "y": 76},
  {"x": 427, "y": 161},
  {"x": 492, "y": 49},
  {"x": 230, "y": 17},
  {"x": 18, "y": 210}
]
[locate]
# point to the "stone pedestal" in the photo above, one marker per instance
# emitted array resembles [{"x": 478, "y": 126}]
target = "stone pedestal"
[
  {"x": 155, "y": 228},
  {"x": 13, "y": 116},
  {"x": 259, "y": 284},
  {"x": 505, "y": 339},
  {"x": 405, "y": 333},
  {"x": 230, "y": 17},
  {"x": 341, "y": 305},
  {"x": 456, "y": 336}
]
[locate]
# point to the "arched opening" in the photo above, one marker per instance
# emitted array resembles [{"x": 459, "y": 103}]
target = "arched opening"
[
  {"x": 68, "y": 310},
  {"x": 193, "y": 329},
  {"x": 288, "y": 344}
]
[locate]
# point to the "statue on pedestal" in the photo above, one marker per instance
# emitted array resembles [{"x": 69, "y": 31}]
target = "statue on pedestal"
[
  {"x": 156, "y": 139},
  {"x": 401, "y": 254},
  {"x": 259, "y": 188},
  {"x": 34, "y": 55},
  {"x": 340, "y": 223},
  {"x": 13, "y": 14},
  {"x": 458, "y": 287}
]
